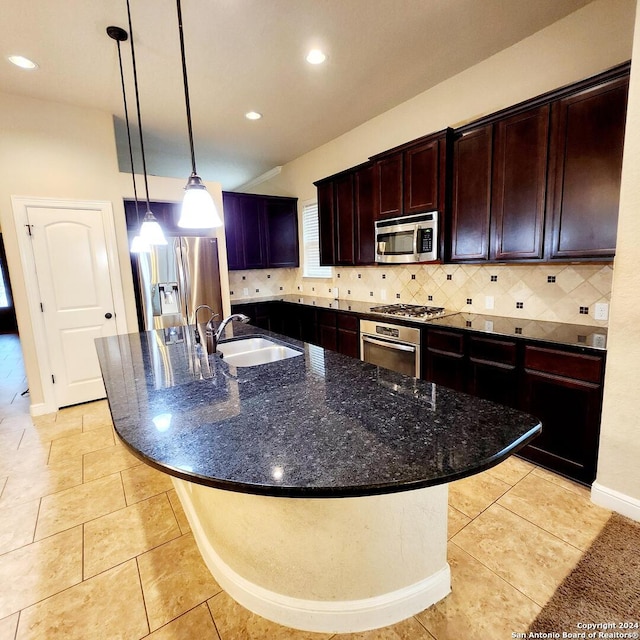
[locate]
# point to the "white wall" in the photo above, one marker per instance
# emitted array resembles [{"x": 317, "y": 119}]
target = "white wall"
[{"x": 618, "y": 480}]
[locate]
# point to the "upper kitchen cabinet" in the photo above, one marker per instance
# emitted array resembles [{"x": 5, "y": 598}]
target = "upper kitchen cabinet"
[
  {"x": 584, "y": 179},
  {"x": 411, "y": 178},
  {"x": 346, "y": 217},
  {"x": 261, "y": 231},
  {"x": 541, "y": 180}
]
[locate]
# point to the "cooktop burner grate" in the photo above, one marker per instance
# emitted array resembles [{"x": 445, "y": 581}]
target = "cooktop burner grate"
[{"x": 409, "y": 310}]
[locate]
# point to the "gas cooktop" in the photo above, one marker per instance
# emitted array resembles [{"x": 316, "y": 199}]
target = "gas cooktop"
[{"x": 409, "y": 310}]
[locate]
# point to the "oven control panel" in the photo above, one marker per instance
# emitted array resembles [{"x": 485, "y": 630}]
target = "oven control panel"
[{"x": 391, "y": 332}]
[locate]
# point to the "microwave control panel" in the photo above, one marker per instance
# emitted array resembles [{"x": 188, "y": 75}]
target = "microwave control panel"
[{"x": 425, "y": 240}]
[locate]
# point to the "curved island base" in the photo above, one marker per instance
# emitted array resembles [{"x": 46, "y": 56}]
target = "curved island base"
[{"x": 329, "y": 565}]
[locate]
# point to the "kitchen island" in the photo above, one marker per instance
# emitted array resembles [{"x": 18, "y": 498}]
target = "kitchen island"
[{"x": 316, "y": 486}]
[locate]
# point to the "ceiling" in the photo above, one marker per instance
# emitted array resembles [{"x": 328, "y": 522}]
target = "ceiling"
[{"x": 247, "y": 55}]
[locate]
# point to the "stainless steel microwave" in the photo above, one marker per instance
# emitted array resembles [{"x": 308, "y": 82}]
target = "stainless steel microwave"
[{"x": 407, "y": 239}]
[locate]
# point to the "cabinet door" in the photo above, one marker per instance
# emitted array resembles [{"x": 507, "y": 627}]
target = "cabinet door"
[
  {"x": 233, "y": 231},
  {"x": 471, "y": 195},
  {"x": 348, "y": 334},
  {"x": 492, "y": 370},
  {"x": 587, "y": 143},
  {"x": 253, "y": 232},
  {"x": 389, "y": 186},
  {"x": 364, "y": 216},
  {"x": 282, "y": 233},
  {"x": 327, "y": 329},
  {"x": 421, "y": 178},
  {"x": 326, "y": 216},
  {"x": 344, "y": 218},
  {"x": 445, "y": 359},
  {"x": 519, "y": 185}
]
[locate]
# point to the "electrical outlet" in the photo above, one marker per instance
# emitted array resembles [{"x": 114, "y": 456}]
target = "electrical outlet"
[
  {"x": 488, "y": 325},
  {"x": 599, "y": 340},
  {"x": 383, "y": 294},
  {"x": 601, "y": 311},
  {"x": 488, "y": 302},
  {"x": 245, "y": 292}
]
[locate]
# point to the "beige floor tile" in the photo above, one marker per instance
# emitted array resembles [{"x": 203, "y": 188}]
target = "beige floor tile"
[
  {"x": 74, "y": 506},
  {"x": 93, "y": 440},
  {"x": 512, "y": 470},
  {"x": 17, "y": 525},
  {"x": 561, "y": 481},
  {"x": 529, "y": 558},
  {"x": 104, "y": 462},
  {"x": 24, "y": 485},
  {"x": 196, "y": 623},
  {"x": 10, "y": 437},
  {"x": 409, "y": 629},
  {"x": 37, "y": 571},
  {"x": 107, "y": 606},
  {"x": 174, "y": 580},
  {"x": 17, "y": 422},
  {"x": 48, "y": 418},
  {"x": 49, "y": 433},
  {"x": 474, "y": 494},
  {"x": 234, "y": 621},
  {"x": 568, "y": 515},
  {"x": 142, "y": 482},
  {"x": 456, "y": 521},
  {"x": 179, "y": 511},
  {"x": 3, "y": 482},
  {"x": 128, "y": 532},
  {"x": 26, "y": 459},
  {"x": 8, "y": 627},
  {"x": 480, "y": 605}
]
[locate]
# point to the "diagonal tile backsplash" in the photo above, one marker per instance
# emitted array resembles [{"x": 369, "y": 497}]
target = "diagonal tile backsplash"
[{"x": 558, "y": 293}]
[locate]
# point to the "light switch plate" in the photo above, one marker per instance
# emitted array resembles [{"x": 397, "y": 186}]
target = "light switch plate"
[
  {"x": 245, "y": 292},
  {"x": 488, "y": 302}
]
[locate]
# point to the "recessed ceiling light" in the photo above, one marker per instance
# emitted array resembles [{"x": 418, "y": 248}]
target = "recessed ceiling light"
[
  {"x": 253, "y": 115},
  {"x": 22, "y": 62},
  {"x": 315, "y": 56}
]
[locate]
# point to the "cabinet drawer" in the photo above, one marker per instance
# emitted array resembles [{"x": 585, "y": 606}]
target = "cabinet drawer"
[
  {"x": 571, "y": 365},
  {"x": 500, "y": 351},
  {"x": 327, "y": 318},
  {"x": 348, "y": 321},
  {"x": 445, "y": 341}
]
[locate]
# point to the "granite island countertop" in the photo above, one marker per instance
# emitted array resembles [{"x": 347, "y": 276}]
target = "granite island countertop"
[
  {"x": 574, "y": 335},
  {"x": 316, "y": 425}
]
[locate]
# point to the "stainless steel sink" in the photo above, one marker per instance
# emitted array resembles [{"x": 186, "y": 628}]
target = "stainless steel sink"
[{"x": 250, "y": 352}]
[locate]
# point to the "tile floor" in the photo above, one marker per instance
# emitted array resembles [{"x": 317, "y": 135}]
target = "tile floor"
[{"x": 94, "y": 544}]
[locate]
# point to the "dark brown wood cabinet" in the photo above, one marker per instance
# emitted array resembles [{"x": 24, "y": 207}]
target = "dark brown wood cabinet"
[
  {"x": 541, "y": 180},
  {"x": 388, "y": 185},
  {"x": 493, "y": 372},
  {"x": 587, "y": 145},
  {"x": 564, "y": 390},
  {"x": 346, "y": 217},
  {"x": 471, "y": 197},
  {"x": 348, "y": 334},
  {"x": 444, "y": 361},
  {"x": 261, "y": 231},
  {"x": 423, "y": 168},
  {"x": 519, "y": 176}
]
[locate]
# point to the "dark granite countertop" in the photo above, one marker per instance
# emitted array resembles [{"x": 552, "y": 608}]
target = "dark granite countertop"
[
  {"x": 317, "y": 425},
  {"x": 573, "y": 335}
]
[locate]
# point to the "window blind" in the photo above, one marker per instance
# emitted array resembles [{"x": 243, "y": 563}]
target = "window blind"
[{"x": 311, "y": 240}]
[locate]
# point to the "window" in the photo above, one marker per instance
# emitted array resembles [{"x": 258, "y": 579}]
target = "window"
[{"x": 311, "y": 241}]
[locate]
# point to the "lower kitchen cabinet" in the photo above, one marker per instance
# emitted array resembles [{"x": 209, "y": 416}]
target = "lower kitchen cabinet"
[
  {"x": 564, "y": 390},
  {"x": 444, "y": 362},
  {"x": 560, "y": 386}
]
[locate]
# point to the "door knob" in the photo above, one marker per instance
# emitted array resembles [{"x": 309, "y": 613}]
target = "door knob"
[{"x": 108, "y": 316}]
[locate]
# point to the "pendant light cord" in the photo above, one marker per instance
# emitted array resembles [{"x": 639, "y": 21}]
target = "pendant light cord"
[
  {"x": 135, "y": 84},
  {"x": 126, "y": 118},
  {"x": 186, "y": 89}
]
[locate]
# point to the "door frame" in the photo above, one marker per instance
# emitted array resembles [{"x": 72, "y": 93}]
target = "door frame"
[{"x": 20, "y": 205}]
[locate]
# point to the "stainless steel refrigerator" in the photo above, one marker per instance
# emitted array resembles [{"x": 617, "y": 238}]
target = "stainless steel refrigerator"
[{"x": 174, "y": 279}]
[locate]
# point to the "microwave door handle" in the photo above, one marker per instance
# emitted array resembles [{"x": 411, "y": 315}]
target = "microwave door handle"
[
  {"x": 416, "y": 233},
  {"x": 399, "y": 346}
]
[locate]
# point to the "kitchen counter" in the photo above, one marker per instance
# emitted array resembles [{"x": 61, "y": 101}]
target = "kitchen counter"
[
  {"x": 315, "y": 486},
  {"x": 321, "y": 424},
  {"x": 543, "y": 331}
]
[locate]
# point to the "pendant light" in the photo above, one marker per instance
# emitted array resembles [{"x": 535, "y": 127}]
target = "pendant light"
[
  {"x": 138, "y": 245},
  {"x": 198, "y": 209},
  {"x": 150, "y": 230}
]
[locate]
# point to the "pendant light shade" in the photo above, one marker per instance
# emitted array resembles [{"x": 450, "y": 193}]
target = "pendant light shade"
[
  {"x": 151, "y": 231},
  {"x": 138, "y": 245},
  {"x": 198, "y": 209}
]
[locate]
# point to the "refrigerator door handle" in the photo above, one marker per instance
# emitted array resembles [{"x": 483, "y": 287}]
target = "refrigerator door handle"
[{"x": 185, "y": 285}]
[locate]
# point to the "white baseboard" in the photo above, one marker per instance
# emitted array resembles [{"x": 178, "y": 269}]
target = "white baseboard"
[
  {"x": 616, "y": 501},
  {"x": 317, "y": 615},
  {"x": 41, "y": 409}
]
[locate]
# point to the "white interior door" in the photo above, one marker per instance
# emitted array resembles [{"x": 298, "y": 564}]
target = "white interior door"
[{"x": 71, "y": 258}]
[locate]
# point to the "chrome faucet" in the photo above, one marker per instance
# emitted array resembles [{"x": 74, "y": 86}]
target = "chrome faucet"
[
  {"x": 195, "y": 320},
  {"x": 221, "y": 327}
]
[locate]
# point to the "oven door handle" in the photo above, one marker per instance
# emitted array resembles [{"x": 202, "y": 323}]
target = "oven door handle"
[{"x": 399, "y": 346}]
